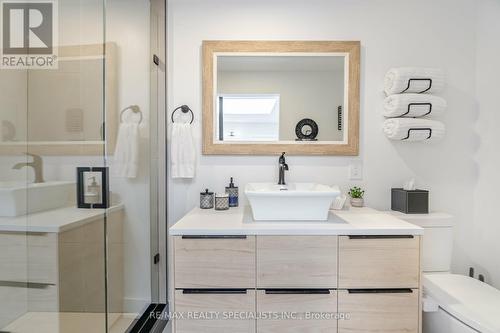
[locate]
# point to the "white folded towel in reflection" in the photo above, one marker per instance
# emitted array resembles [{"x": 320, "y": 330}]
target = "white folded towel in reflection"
[
  {"x": 411, "y": 129},
  {"x": 125, "y": 164},
  {"x": 397, "y": 80},
  {"x": 183, "y": 151},
  {"x": 413, "y": 105}
]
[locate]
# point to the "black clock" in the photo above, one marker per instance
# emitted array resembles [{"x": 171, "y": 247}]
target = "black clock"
[{"x": 306, "y": 130}]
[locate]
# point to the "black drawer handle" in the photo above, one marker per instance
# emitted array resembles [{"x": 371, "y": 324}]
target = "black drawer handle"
[
  {"x": 214, "y": 237},
  {"x": 297, "y": 291},
  {"x": 380, "y": 291},
  {"x": 380, "y": 236},
  {"x": 29, "y": 285},
  {"x": 214, "y": 291},
  {"x": 25, "y": 233}
]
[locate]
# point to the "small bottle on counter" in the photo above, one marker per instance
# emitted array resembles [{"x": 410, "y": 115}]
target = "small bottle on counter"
[
  {"x": 206, "y": 199},
  {"x": 221, "y": 201},
  {"x": 232, "y": 192}
]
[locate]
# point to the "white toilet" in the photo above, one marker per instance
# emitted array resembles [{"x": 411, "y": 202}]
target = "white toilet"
[{"x": 452, "y": 303}]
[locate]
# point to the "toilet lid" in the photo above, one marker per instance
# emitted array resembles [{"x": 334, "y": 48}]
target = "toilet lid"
[{"x": 475, "y": 303}]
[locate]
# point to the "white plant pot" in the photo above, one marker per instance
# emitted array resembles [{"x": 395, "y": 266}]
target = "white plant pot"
[{"x": 357, "y": 202}]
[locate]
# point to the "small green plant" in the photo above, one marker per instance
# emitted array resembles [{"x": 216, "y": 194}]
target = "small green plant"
[{"x": 356, "y": 192}]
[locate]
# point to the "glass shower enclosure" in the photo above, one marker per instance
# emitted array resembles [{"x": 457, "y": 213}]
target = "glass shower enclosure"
[{"x": 76, "y": 94}]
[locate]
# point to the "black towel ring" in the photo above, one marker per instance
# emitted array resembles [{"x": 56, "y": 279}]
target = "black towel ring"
[{"x": 184, "y": 109}]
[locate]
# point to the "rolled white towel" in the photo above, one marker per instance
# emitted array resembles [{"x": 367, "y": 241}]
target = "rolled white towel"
[
  {"x": 418, "y": 105},
  {"x": 397, "y": 80},
  {"x": 410, "y": 129}
]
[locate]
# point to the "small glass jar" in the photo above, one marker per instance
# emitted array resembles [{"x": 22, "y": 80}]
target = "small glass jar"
[
  {"x": 221, "y": 201},
  {"x": 206, "y": 200}
]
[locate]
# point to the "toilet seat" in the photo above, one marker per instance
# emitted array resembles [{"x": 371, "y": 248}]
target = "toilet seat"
[{"x": 472, "y": 302}]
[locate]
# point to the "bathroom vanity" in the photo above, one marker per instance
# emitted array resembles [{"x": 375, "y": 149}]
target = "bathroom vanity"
[
  {"x": 362, "y": 265},
  {"x": 54, "y": 261}
]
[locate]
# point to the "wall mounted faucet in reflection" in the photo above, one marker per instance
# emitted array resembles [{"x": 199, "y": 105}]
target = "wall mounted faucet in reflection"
[{"x": 37, "y": 166}]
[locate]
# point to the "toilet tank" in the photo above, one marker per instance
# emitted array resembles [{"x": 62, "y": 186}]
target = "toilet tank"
[{"x": 437, "y": 240}]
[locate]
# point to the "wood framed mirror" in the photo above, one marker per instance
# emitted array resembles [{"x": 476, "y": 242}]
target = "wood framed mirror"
[{"x": 267, "y": 97}]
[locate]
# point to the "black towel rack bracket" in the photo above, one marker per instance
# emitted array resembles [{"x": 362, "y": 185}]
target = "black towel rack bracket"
[
  {"x": 184, "y": 109},
  {"x": 421, "y": 79},
  {"x": 418, "y": 129},
  {"x": 418, "y": 104}
]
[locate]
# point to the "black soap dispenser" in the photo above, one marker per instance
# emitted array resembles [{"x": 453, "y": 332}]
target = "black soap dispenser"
[{"x": 232, "y": 191}]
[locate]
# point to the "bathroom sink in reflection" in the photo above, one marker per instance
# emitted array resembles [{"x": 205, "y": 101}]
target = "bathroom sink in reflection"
[{"x": 20, "y": 198}]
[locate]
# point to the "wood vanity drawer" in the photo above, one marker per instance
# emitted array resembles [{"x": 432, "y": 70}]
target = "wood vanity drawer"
[
  {"x": 214, "y": 262},
  {"x": 374, "y": 311},
  {"x": 43, "y": 299},
  {"x": 296, "y": 261},
  {"x": 379, "y": 261},
  {"x": 214, "y": 303},
  {"x": 28, "y": 257},
  {"x": 16, "y": 299},
  {"x": 301, "y": 304}
]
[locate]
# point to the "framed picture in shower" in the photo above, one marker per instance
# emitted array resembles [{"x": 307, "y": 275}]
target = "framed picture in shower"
[{"x": 93, "y": 187}]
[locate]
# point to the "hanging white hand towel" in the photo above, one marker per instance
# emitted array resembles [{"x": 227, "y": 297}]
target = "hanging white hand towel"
[
  {"x": 413, "y": 80},
  {"x": 410, "y": 129},
  {"x": 183, "y": 151},
  {"x": 127, "y": 151},
  {"x": 413, "y": 105}
]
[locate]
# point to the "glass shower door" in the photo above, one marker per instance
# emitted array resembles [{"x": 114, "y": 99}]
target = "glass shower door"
[
  {"x": 67, "y": 267},
  {"x": 132, "y": 162},
  {"x": 53, "y": 115}
]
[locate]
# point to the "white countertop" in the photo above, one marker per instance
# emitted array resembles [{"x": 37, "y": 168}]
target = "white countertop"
[
  {"x": 55, "y": 220},
  {"x": 433, "y": 219},
  {"x": 239, "y": 221}
]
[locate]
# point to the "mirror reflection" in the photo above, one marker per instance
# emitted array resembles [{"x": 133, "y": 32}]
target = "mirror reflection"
[
  {"x": 279, "y": 98},
  {"x": 61, "y": 110},
  {"x": 63, "y": 104}
]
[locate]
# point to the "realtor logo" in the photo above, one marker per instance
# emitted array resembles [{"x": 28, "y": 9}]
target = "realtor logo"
[{"x": 29, "y": 34}]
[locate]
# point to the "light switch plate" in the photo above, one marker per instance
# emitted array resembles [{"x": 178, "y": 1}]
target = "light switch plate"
[{"x": 356, "y": 171}]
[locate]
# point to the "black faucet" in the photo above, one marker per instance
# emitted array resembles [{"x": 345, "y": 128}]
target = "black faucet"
[{"x": 283, "y": 167}]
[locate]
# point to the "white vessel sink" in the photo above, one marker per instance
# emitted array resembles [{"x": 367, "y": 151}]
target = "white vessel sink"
[
  {"x": 20, "y": 198},
  {"x": 294, "y": 201}
]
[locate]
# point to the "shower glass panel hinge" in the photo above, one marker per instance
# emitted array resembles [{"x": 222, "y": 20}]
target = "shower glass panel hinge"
[{"x": 156, "y": 258}]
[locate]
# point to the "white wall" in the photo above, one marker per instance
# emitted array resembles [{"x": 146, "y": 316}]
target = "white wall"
[
  {"x": 478, "y": 239},
  {"x": 392, "y": 33}
]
